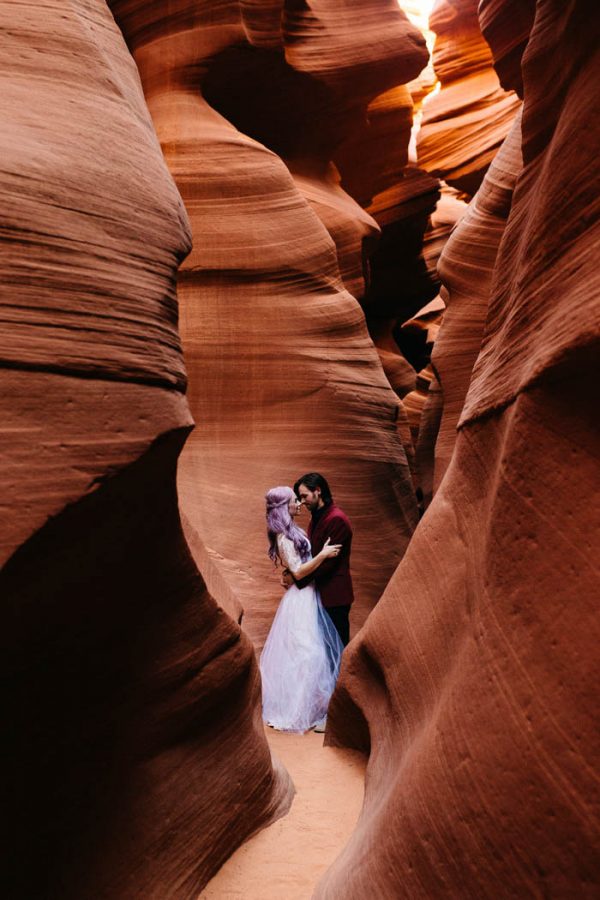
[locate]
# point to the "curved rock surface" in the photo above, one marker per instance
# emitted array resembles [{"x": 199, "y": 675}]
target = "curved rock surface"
[
  {"x": 283, "y": 375},
  {"x": 418, "y": 13},
  {"x": 121, "y": 773},
  {"x": 466, "y": 268},
  {"x": 399, "y": 372},
  {"x": 373, "y": 158},
  {"x": 364, "y": 47},
  {"x": 474, "y": 680},
  {"x": 448, "y": 212},
  {"x": 400, "y": 281},
  {"x": 464, "y": 123},
  {"x": 426, "y": 442},
  {"x": 506, "y": 24}
]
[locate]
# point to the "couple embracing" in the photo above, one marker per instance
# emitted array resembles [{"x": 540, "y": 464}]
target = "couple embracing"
[{"x": 301, "y": 658}]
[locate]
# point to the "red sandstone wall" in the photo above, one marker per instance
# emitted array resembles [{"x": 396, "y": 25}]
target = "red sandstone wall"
[
  {"x": 471, "y": 248},
  {"x": 133, "y": 756},
  {"x": 463, "y": 127},
  {"x": 467, "y": 120},
  {"x": 474, "y": 681},
  {"x": 283, "y": 377}
]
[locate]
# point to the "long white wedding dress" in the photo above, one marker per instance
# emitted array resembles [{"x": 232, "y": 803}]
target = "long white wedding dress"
[{"x": 300, "y": 661}]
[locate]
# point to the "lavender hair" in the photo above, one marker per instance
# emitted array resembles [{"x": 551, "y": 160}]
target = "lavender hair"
[{"x": 279, "y": 521}]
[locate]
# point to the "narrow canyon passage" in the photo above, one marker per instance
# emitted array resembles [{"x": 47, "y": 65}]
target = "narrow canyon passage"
[
  {"x": 288, "y": 858},
  {"x": 248, "y": 239}
]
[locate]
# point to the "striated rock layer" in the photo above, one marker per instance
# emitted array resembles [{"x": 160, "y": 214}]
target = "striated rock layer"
[
  {"x": 133, "y": 752},
  {"x": 471, "y": 248},
  {"x": 283, "y": 375},
  {"x": 474, "y": 680},
  {"x": 467, "y": 120},
  {"x": 506, "y": 24}
]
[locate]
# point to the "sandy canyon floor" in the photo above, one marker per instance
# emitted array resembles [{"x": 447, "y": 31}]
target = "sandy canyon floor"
[{"x": 288, "y": 858}]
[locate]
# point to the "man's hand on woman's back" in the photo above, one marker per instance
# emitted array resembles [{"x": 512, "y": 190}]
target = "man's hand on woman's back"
[{"x": 286, "y": 579}]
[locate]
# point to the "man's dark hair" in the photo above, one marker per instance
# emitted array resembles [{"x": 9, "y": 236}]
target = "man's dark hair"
[{"x": 313, "y": 480}]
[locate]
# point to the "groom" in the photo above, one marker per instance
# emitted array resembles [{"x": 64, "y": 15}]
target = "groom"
[{"x": 332, "y": 579}]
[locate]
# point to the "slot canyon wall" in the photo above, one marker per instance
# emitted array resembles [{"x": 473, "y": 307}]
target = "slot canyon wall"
[
  {"x": 122, "y": 667},
  {"x": 465, "y": 122},
  {"x": 473, "y": 683},
  {"x": 251, "y": 102},
  {"x": 121, "y": 775},
  {"x": 303, "y": 241}
]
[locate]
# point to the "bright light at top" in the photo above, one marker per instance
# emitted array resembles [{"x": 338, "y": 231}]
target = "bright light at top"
[
  {"x": 422, "y": 6},
  {"x": 417, "y": 10}
]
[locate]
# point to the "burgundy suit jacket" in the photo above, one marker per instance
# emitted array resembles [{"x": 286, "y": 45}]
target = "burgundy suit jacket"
[{"x": 332, "y": 579}]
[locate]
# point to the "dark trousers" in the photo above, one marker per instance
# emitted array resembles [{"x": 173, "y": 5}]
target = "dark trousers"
[{"x": 339, "y": 615}]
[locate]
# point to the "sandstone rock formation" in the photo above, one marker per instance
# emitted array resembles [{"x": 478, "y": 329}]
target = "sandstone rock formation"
[
  {"x": 402, "y": 279},
  {"x": 467, "y": 120},
  {"x": 283, "y": 376},
  {"x": 473, "y": 682},
  {"x": 427, "y": 439},
  {"x": 133, "y": 753},
  {"x": 448, "y": 212},
  {"x": 418, "y": 13},
  {"x": 471, "y": 248},
  {"x": 135, "y": 759},
  {"x": 506, "y": 24}
]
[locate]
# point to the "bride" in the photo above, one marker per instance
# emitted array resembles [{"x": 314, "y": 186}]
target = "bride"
[{"x": 300, "y": 661}]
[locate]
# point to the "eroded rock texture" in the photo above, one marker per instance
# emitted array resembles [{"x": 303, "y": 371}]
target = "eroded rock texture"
[
  {"x": 467, "y": 120},
  {"x": 133, "y": 752},
  {"x": 472, "y": 248},
  {"x": 283, "y": 375},
  {"x": 506, "y": 25},
  {"x": 474, "y": 679}
]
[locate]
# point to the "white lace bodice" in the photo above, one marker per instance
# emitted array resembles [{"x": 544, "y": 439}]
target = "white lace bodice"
[{"x": 289, "y": 555}]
